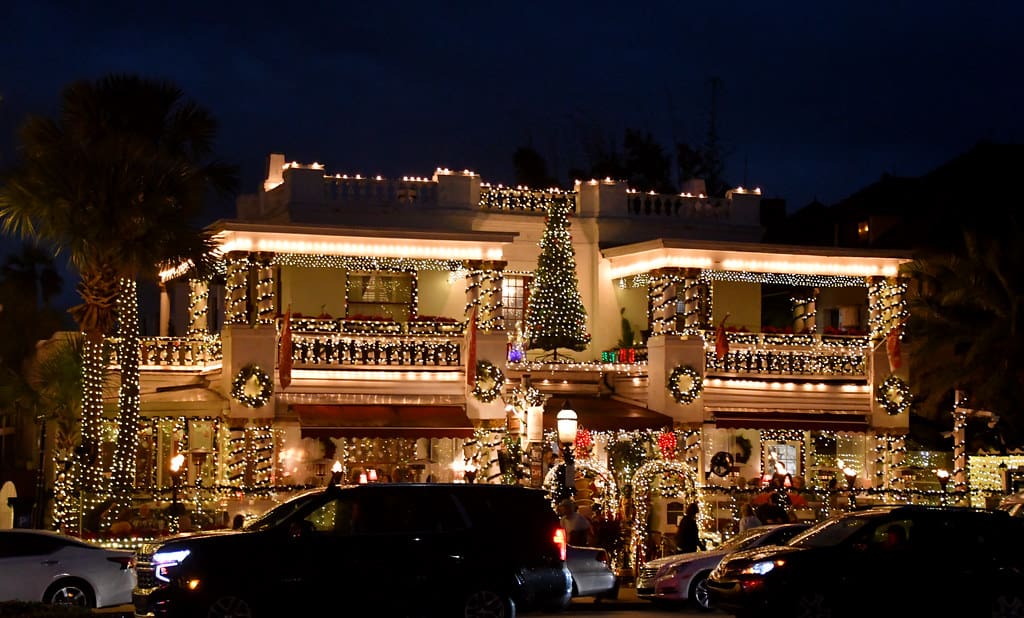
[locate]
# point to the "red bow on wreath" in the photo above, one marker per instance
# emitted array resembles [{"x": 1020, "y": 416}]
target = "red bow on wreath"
[
  {"x": 583, "y": 441},
  {"x": 667, "y": 444}
]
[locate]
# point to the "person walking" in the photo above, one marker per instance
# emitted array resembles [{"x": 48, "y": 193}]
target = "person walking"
[
  {"x": 576, "y": 525},
  {"x": 688, "y": 535},
  {"x": 748, "y": 519}
]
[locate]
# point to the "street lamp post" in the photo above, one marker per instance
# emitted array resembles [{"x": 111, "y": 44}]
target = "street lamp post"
[
  {"x": 851, "y": 482},
  {"x": 568, "y": 424},
  {"x": 177, "y": 509},
  {"x": 943, "y": 476}
]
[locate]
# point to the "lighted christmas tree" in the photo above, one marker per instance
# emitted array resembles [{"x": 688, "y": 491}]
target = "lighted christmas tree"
[{"x": 555, "y": 316}]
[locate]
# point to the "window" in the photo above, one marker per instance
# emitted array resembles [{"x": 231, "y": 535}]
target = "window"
[
  {"x": 380, "y": 294},
  {"x": 514, "y": 298}
]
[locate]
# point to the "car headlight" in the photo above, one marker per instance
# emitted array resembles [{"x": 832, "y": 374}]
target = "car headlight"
[
  {"x": 164, "y": 561},
  {"x": 763, "y": 567}
]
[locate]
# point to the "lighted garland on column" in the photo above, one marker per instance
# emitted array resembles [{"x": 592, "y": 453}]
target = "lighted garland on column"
[
  {"x": 236, "y": 287},
  {"x": 894, "y": 395},
  {"x": 685, "y": 384},
  {"x": 122, "y": 477},
  {"x": 265, "y": 307},
  {"x": 198, "y": 306},
  {"x": 252, "y": 386},
  {"x": 489, "y": 381}
]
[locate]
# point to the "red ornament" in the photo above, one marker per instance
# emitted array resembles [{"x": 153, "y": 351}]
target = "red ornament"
[
  {"x": 583, "y": 441},
  {"x": 667, "y": 444}
]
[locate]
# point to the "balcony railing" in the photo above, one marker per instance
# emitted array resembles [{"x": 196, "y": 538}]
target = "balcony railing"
[
  {"x": 401, "y": 350},
  {"x": 838, "y": 356},
  {"x": 193, "y": 351}
]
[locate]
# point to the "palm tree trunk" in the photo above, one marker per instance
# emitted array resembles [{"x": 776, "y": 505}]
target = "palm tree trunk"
[
  {"x": 125, "y": 455},
  {"x": 90, "y": 476}
]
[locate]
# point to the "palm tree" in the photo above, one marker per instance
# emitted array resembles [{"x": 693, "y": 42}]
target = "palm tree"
[
  {"x": 117, "y": 181},
  {"x": 967, "y": 325}
]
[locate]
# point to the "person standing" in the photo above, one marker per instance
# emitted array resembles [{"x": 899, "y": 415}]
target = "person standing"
[
  {"x": 577, "y": 527},
  {"x": 748, "y": 519},
  {"x": 688, "y": 535}
]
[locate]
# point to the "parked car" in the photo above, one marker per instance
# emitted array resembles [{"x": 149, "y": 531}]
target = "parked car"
[
  {"x": 49, "y": 567},
  {"x": 592, "y": 576},
  {"x": 886, "y": 560},
  {"x": 1013, "y": 504},
  {"x": 380, "y": 549},
  {"x": 680, "y": 578}
]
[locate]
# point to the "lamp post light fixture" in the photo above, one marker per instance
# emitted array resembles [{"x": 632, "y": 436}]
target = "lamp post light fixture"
[
  {"x": 851, "y": 483},
  {"x": 568, "y": 425},
  {"x": 177, "y": 509},
  {"x": 336, "y": 472},
  {"x": 943, "y": 477}
]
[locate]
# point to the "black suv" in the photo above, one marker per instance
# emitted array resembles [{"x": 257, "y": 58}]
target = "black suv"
[
  {"x": 907, "y": 560},
  {"x": 386, "y": 549}
]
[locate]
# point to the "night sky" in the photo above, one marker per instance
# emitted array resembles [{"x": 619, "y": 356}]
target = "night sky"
[{"x": 817, "y": 99}]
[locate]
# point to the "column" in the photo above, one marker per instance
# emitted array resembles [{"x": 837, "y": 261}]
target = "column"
[
  {"x": 165, "y": 310},
  {"x": 266, "y": 305},
  {"x": 484, "y": 281},
  {"x": 236, "y": 287},
  {"x": 198, "y": 306},
  {"x": 887, "y": 307},
  {"x": 694, "y": 308},
  {"x": 805, "y": 312},
  {"x": 662, "y": 298}
]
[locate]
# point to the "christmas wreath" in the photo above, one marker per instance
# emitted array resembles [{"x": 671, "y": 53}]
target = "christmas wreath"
[
  {"x": 894, "y": 395},
  {"x": 685, "y": 384},
  {"x": 489, "y": 381},
  {"x": 252, "y": 387}
]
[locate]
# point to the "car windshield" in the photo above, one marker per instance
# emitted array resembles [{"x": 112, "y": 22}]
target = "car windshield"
[
  {"x": 829, "y": 532},
  {"x": 281, "y": 512},
  {"x": 745, "y": 539}
]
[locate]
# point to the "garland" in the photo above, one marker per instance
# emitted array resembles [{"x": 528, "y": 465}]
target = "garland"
[
  {"x": 489, "y": 381},
  {"x": 688, "y": 377},
  {"x": 894, "y": 395},
  {"x": 242, "y": 378}
]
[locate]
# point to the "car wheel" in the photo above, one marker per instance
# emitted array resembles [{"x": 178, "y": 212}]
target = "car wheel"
[
  {"x": 699, "y": 592},
  {"x": 73, "y": 592},
  {"x": 812, "y": 605},
  {"x": 229, "y": 606},
  {"x": 1008, "y": 605},
  {"x": 488, "y": 604}
]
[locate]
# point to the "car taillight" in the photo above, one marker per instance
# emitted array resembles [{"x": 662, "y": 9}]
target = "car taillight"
[
  {"x": 126, "y": 562},
  {"x": 560, "y": 541}
]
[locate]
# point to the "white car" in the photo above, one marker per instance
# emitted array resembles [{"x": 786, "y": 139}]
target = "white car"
[
  {"x": 48, "y": 567},
  {"x": 682, "y": 577},
  {"x": 592, "y": 576}
]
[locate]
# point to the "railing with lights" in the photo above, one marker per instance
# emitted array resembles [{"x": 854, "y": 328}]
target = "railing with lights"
[
  {"x": 522, "y": 199},
  {"x": 786, "y": 354},
  {"x": 194, "y": 351},
  {"x": 408, "y": 350}
]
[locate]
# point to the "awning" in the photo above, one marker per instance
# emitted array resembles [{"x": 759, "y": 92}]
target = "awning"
[
  {"x": 605, "y": 414},
  {"x": 806, "y": 421},
  {"x": 383, "y": 421}
]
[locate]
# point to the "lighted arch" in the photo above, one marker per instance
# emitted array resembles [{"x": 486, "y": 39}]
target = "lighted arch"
[{"x": 642, "y": 498}]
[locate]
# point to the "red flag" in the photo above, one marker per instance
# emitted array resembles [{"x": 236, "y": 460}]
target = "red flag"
[
  {"x": 721, "y": 341},
  {"x": 471, "y": 349},
  {"x": 284, "y": 363},
  {"x": 892, "y": 346}
]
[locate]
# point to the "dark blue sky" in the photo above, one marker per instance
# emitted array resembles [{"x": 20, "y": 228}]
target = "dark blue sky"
[{"x": 818, "y": 99}]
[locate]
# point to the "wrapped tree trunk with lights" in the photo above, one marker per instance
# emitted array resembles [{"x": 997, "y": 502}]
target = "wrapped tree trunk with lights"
[{"x": 555, "y": 316}]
